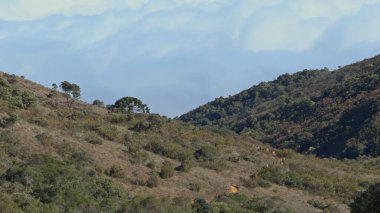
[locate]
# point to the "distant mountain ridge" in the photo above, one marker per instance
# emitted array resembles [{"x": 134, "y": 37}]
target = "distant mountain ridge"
[{"x": 327, "y": 113}]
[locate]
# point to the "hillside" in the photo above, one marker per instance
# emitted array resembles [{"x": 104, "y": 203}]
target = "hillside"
[
  {"x": 60, "y": 157},
  {"x": 321, "y": 112}
]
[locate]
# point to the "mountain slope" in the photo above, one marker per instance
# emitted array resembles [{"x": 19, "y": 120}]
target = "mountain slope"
[
  {"x": 330, "y": 114},
  {"x": 81, "y": 158}
]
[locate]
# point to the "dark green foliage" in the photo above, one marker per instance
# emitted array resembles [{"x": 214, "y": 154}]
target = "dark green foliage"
[
  {"x": 157, "y": 205},
  {"x": 58, "y": 185},
  {"x": 167, "y": 170},
  {"x": 152, "y": 180},
  {"x": 318, "y": 204},
  {"x": 40, "y": 121},
  {"x": 367, "y": 201},
  {"x": 9, "y": 121},
  {"x": 92, "y": 138},
  {"x": 15, "y": 97},
  {"x": 185, "y": 166},
  {"x": 253, "y": 182},
  {"x": 201, "y": 206},
  {"x": 195, "y": 187},
  {"x": 243, "y": 203},
  {"x": 329, "y": 114},
  {"x": 130, "y": 104},
  {"x": 116, "y": 172},
  {"x": 70, "y": 90},
  {"x": 311, "y": 179},
  {"x": 98, "y": 103},
  {"x": 206, "y": 153},
  {"x": 10, "y": 144}
]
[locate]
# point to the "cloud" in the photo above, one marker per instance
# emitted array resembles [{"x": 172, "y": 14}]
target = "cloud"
[
  {"x": 273, "y": 25},
  {"x": 177, "y": 54},
  {"x": 22, "y": 10}
]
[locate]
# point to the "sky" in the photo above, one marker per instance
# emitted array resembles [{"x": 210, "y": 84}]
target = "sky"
[{"x": 178, "y": 54}]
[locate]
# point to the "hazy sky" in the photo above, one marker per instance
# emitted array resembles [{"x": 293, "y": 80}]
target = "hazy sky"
[{"x": 178, "y": 54}]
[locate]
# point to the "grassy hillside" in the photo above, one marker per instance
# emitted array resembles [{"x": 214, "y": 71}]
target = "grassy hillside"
[
  {"x": 330, "y": 114},
  {"x": 81, "y": 158}
]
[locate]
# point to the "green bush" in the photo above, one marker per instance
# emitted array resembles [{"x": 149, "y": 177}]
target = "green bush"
[
  {"x": 7, "y": 204},
  {"x": 185, "y": 166},
  {"x": 10, "y": 144},
  {"x": 58, "y": 185},
  {"x": 367, "y": 201},
  {"x": 108, "y": 132},
  {"x": 195, "y": 187},
  {"x": 140, "y": 157},
  {"x": 116, "y": 172},
  {"x": 92, "y": 138},
  {"x": 40, "y": 121},
  {"x": 167, "y": 170},
  {"x": 201, "y": 206},
  {"x": 152, "y": 180},
  {"x": 205, "y": 153}
]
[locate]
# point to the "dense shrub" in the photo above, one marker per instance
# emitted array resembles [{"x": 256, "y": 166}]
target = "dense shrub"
[
  {"x": 205, "y": 153},
  {"x": 116, "y": 172},
  {"x": 58, "y": 185},
  {"x": 92, "y": 138},
  {"x": 201, "y": 206},
  {"x": 367, "y": 201},
  {"x": 40, "y": 121},
  {"x": 185, "y": 166},
  {"x": 152, "y": 180},
  {"x": 167, "y": 169},
  {"x": 107, "y": 132}
]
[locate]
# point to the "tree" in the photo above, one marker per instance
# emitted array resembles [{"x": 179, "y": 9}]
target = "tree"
[
  {"x": 98, "y": 103},
  {"x": 130, "y": 104},
  {"x": 70, "y": 90},
  {"x": 367, "y": 201}
]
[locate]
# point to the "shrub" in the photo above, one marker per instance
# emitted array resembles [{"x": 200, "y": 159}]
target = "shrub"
[
  {"x": 44, "y": 139},
  {"x": 285, "y": 153},
  {"x": 92, "y": 138},
  {"x": 9, "y": 121},
  {"x": 140, "y": 179},
  {"x": 153, "y": 180},
  {"x": 318, "y": 204},
  {"x": 117, "y": 118},
  {"x": 151, "y": 165},
  {"x": 139, "y": 156},
  {"x": 28, "y": 100},
  {"x": 7, "y": 204},
  {"x": 185, "y": 166},
  {"x": 57, "y": 185},
  {"x": 205, "y": 153},
  {"x": 40, "y": 121},
  {"x": 250, "y": 182},
  {"x": 367, "y": 201},
  {"x": 10, "y": 144},
  {"x": 195, "y": 187},
  {"x": 116, "y": 172},
  {"x": 167, "y": 170},
  {"x": 108, "y": 132},
  {"x": 201, "y": 206}
]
